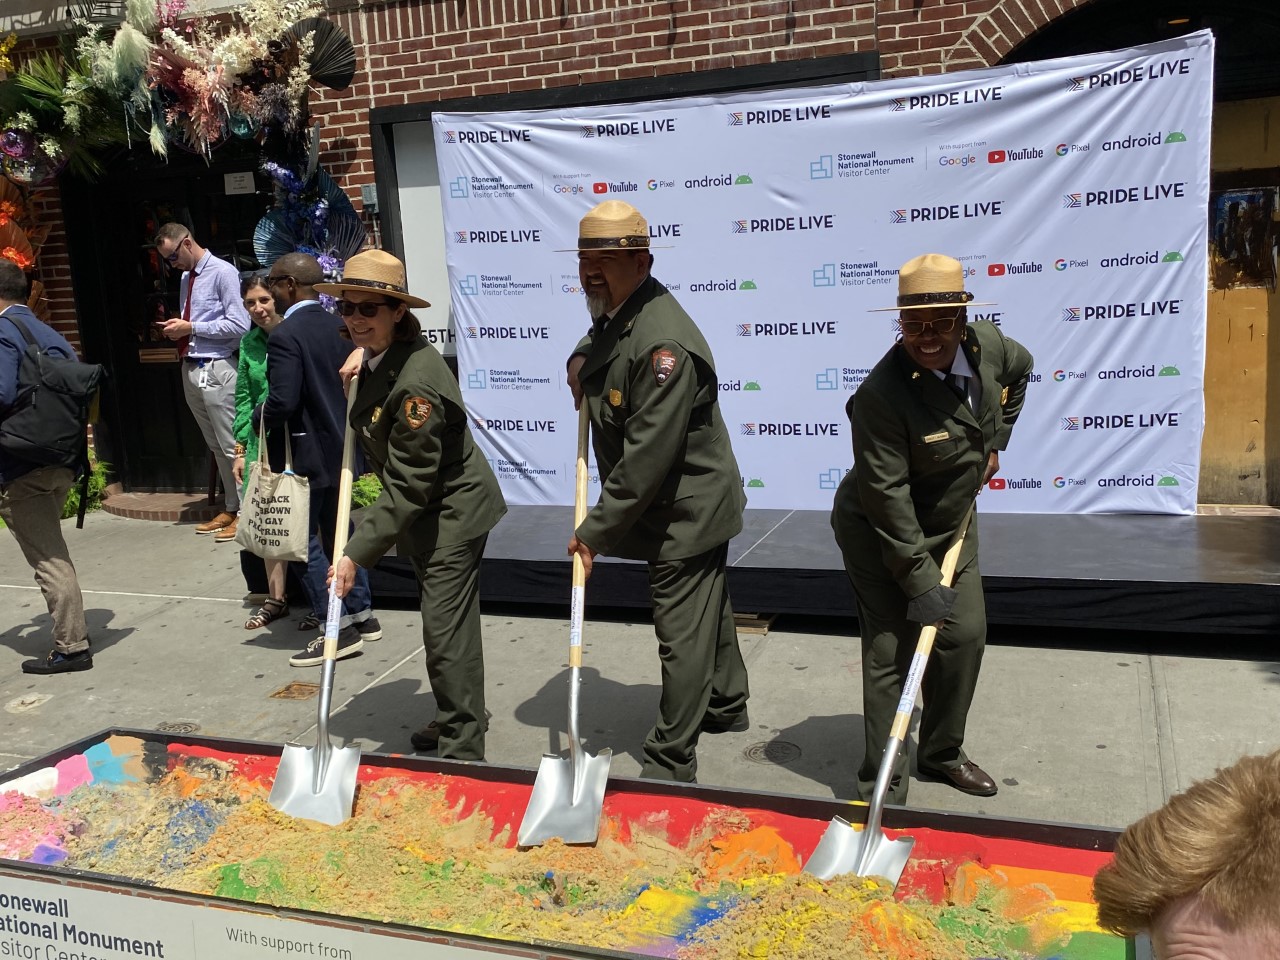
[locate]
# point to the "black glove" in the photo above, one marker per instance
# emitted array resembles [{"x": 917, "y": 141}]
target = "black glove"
[{"x": 932, "y": 606}]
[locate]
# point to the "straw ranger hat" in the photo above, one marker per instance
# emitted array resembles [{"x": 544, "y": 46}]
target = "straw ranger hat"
[
  {"x": 932, "y": 280},
  {"x": 613, "y": 225},
  {"x": 373, "y": 271}
]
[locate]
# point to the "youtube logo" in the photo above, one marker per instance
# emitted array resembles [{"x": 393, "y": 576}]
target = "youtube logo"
[
  {"x": 997, "y": 483},
  {"x": 996, "y": 156},
  {"x": 995, "y": 270},
  {"x": 600, "y": 188}
]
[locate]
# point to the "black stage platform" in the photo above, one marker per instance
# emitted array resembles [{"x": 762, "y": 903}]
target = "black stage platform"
[{"x": 1201, "y": 574}]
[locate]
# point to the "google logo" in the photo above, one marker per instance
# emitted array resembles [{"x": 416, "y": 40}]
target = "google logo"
[
  {"x": 1062, "y": 151},
  {"x": 567, "y": 288},
  {"x": 1059, "y": 375},
  {"x": 1059, "y": 264},
  {"x": 568, "y": 188},
  {"x": 957, "y": 161},
  {"x": 1059, "y": 482},
  {"x": 651, "y": 184}
]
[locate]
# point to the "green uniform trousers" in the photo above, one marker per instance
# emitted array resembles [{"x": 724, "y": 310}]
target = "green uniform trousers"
[
  {"x": 449, "y": 581},
  {"x": 888, "y": 643},
  {"x": 703, "y": 676}
]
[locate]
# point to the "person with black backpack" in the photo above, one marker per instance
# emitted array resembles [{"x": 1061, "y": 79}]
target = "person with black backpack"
[{"x": 34, "y": 485}]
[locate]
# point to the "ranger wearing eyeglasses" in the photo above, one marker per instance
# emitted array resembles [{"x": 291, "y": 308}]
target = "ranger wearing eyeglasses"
[
  {"x": 928, "y": 424},
  {"x": 439, "y": 496}
]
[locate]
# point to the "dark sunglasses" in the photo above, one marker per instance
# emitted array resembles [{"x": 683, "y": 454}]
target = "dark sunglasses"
[
  {"x": 172, "y": 258},
  {"x": 366, "y": 308},
  {"x": 917, "y": 328}
]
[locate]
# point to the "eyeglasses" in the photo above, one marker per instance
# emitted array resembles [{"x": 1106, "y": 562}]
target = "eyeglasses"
[
  {"x": 366, "y": 308},
  {"x": 917, "y": 328},
  {"x": 274, "y": 281},
  {"x": 172, "y": 259}
]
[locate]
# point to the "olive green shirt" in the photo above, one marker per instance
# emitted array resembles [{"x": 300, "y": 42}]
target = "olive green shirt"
[
  {"x": 920, "y": 455},
  {"x": 437, "y": 489},
  {"x": 669, "y": 482}
]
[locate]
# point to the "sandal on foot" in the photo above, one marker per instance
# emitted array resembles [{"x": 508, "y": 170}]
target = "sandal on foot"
[
  {"x": 271, "y": 609},
  {"x": 311, "y": 622}
]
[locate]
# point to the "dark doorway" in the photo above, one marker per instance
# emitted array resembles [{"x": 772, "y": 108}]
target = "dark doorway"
[
  {"x": 1246, "y": 33},
  {"x": 122, "y": 287}
]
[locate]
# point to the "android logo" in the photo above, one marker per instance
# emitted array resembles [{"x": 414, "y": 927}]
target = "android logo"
[
  {"x": 1169, "y": 371},
  {"x": 755, "y": 483},
  {"x": 1177, "y": 136},
  {"x": 1173, "y": 256},
  {"x": 1167, "y": 482},
  {"x": 743, "y": 178},
  {"x": 751, "y": 385},
  {"x": 748, "y": 285}
]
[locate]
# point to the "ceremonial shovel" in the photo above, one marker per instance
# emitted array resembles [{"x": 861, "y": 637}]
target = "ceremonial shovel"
[
  {"x": 319, "y": 783},
  {"x": 870, "y": 852},
  {"x": 568, "y": 794}
]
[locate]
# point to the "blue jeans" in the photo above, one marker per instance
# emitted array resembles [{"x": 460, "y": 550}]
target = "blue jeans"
[{"x": 357, "y": 605}]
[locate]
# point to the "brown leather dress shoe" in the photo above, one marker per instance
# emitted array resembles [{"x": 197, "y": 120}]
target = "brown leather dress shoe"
[
  {"x": 227, "y": 533},
  {"x": 222, "y": 520},
  {"x": 968, "y": 778}
]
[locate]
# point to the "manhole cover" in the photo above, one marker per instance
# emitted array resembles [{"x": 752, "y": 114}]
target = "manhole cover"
[
  {"x": 772, "y": 751},
  {"x": 178, "y": 726},
  {"x": 28, "y": 701},
  {"x": 297, "y": 690}
]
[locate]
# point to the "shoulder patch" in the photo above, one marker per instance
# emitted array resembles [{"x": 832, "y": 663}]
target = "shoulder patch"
[
  {"x": 416, "y": 411},
  {"x": 664, "y": 365}
]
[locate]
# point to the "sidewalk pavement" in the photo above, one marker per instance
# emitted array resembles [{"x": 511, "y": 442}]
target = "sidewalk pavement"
[{"x": 1076, "y": 728}]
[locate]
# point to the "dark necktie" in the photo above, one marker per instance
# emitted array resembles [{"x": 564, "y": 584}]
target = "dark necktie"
[{"x": 959, "y": 386}]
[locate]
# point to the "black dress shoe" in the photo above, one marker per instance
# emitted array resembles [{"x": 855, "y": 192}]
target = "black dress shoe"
[
  {"x": 428, "y": 738},
  {"x": 738, "y": 723},
  {"x": 57, "y": 662},
  {"x": 968, "y": 778}
]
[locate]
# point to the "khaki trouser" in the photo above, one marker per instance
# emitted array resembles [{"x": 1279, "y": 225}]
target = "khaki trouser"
[
  {"x": 210, "y": 389},
  {"x": 31, "y": 508}
]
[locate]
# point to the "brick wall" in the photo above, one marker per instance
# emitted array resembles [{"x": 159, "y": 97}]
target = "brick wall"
[{"x": 418, "y": 51}]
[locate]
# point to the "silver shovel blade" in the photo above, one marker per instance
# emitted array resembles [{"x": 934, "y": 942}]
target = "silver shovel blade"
[
  {"x": 565, "y": 802},
  {"x": 295, "y": 791},
  {"x": 863, "y": 853}
]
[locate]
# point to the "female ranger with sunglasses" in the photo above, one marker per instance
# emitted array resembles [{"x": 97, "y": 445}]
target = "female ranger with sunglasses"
[
  {"x": 439, "y": 496},
  {"x": 927, "y": 426}
]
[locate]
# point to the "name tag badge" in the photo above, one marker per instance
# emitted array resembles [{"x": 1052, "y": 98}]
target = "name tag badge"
[{"x": 937, "y": 437}]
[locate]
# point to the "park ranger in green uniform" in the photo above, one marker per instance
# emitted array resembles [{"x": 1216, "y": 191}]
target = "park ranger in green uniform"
[
  {"x": 928, "y": 424},
  {"x": 439, "y": 497},
  {"x": 670, "y": 491}
]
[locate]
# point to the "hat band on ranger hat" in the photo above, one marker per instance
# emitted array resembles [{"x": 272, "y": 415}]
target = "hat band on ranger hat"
[
  {"x": 604, "y": 243},
  {"x": 378, "y": 284},
  {"x": 927, "y": 299}
]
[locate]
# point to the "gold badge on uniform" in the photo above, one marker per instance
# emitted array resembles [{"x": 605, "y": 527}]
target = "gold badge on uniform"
[
  {"x": 1004, "y": 396},
  {"x": 377, "y": 412},
  {"x": 416, "y": 411},
  {"x": 615, "y": 398},
  {"x": 664, "y": 365}
]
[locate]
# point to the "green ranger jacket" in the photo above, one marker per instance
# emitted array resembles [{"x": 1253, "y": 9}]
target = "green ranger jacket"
[
  {"x": 670, "y": 486},
  {"x": 437, "y": 489},
  {"x": 919, "y": 457}
]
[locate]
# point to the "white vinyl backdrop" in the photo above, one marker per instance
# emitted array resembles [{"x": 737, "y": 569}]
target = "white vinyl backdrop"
[{"x": 1074, "y": 191}]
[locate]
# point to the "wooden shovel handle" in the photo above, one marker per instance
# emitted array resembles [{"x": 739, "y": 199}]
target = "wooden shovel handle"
[{"x": 578, "y": 598}]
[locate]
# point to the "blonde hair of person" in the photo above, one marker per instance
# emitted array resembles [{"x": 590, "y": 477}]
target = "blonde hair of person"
[{"x": 1219, "y": 839}]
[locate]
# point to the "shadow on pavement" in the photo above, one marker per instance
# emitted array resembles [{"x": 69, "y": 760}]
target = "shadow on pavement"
[{"x": 610, "y": 714}]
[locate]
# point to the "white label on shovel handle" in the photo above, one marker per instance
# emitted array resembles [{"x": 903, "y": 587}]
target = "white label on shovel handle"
[
  {"x": 912, "y": 686},
  {"x": 577, "y": 601}
]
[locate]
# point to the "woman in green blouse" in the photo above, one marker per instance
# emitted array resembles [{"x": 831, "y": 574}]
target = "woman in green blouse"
[{"x": 251, "y": 390}]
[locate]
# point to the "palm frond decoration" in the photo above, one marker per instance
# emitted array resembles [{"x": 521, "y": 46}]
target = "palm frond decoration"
[
  {"x": 333, "y": 56},
  {"x": 346, "y": 233},
  {"x": 273, "y": 237}
]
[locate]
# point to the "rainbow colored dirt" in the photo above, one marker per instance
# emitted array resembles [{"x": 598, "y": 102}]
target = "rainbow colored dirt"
[{"x": 670, "y": 876}]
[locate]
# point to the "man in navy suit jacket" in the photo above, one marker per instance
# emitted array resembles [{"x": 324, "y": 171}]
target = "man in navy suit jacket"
[{"x": 305, "y": 397}]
